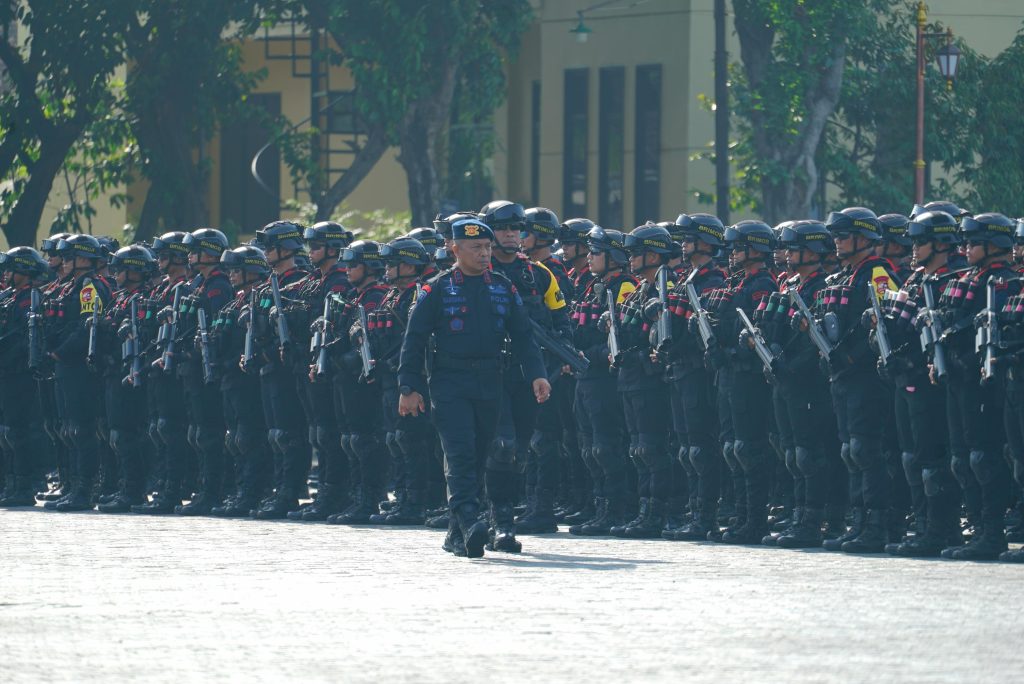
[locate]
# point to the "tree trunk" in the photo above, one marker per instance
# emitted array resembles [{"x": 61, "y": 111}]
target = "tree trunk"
[
  {"x": 367, "y": 157},
  {"x": 24, "y": 220},
  {"x": 423, "y": 140}
]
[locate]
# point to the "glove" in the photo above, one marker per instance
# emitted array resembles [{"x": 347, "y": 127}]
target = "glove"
[
  {"x": 652, "y": 310},
  {"x": 604, "y": 323}
]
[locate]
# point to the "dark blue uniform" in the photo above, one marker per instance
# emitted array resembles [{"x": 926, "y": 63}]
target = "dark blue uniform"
[{"x": 21, "y": 432}]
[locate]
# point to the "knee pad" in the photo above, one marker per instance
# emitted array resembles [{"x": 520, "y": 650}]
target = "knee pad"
[
  {"x": 936, "y": 481},
  {"x": 192, "y": 436},
  {"x": 961, "y": 467},
  {"x": 391, "y": 442},
  {"x": 864, "y": 452},
  {"x": 311, "y": 436},
  {"x": 275, "y": 438},
  {"x": 502, "y": 454},
  {"x": 164, "y": 431},
  {"x": 5, "y": 438},
  {"x": 154, "y": 433},
  {"x": 790, "y": 462},
  {"x": 983, "y": 465},
  {"x": 702, "y": 460},
  {"x": 74, "y": 432},
  {"x": 246, "y": 441},
  {"x": 728, "y": 451},
  {"x": 324, "y": 438},
  {"x": 911, "y": 467},
  {"x": 606, "y": 458},
  {"x": 117, "y": 442},
  {"x": 544, "y": 444},
  {"x": 808, "y": 462},
  {"x": 844, "y": 453},
  {"x": 346, "y": 446},
  {"x": 744, "y": 455},
  {"x": 683, "y": 456},
  {"x": 366, "y": 446},
  {"x": 230, "y": 443}
]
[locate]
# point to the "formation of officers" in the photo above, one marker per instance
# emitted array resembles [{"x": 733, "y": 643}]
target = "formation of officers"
[{"x": 856, "y": 384}]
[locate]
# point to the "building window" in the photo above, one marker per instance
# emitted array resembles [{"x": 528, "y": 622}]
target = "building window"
[
  {"x": 343, "y": 116},
  {"x": 611, "y": 132},
  {"x": 648, "y": 143},
  {"x": 574, "y": 153},
  {"x": 535, "y": 143}
]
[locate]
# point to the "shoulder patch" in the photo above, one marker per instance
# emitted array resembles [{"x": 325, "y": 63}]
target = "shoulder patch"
[
  {"x": 88, "y": 298},
  {"x": 882, "y": 280}
]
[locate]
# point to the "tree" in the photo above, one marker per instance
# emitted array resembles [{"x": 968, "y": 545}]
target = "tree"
[
  {"x": 793, "y": 58},
  {"x": 59, "y": 81}
]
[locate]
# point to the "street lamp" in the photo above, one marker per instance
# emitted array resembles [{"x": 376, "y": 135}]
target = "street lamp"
[
  {"x": 948, "y": 57},
  {"x": 581, "y": 30}
]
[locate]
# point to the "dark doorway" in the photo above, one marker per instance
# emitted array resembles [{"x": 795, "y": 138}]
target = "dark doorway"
[{"x": 245, "y": 206}]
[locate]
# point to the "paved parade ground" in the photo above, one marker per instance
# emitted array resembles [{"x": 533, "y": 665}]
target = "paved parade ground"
[{"x": 91, "y": 597}]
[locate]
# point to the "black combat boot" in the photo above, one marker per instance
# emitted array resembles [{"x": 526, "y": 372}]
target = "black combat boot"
[
  {"x": 794, "y": 519},
  {"x": 852, "y": 533},
  {"x": 619, "y": 530},
  {"x": 453, "y": 541},
  {"x": 600, "y": 510},
  {"x": 122, "y": 503},
  {"x": 705, "y": 522},
  {"x": 989, "y": 545},
  {"x": 1015, "y": 556},
  {"x": 330, "y": 499},
  {"x": 411, "y": 512},
  {"x": 873, "y": 537},
  {"x": 581, "y": 512},
  {"x": 358, "y": 513},
  {"x": 474, "y": 531},
  {"x": 651, "y": 526},
  {"x": 502, "y": 533},
  {"x": 541, "y": 520},
  {"x": 611, "y": 516},
  {"x": 278, "y": 507},
  {"x": 19, "y": 493},
  {"x": 201, "y": 504},
  {"x": 807, "y": 534},
  {"x": 80, "y": 500},
  {"x": 68, "y": 488},
  {"x": 163, "y": 503}
]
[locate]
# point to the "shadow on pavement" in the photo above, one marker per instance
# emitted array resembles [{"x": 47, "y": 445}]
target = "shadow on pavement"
[{"x": 567, "y": 562}]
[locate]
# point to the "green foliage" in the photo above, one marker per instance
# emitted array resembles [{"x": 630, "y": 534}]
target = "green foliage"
[{"x": 377, "y": 224}]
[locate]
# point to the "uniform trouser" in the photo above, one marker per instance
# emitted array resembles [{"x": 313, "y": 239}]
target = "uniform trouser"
[
  {"x": 732, "y": 485},
  {"x": 466, "y": 420},
  {"x": 21, "y": 433},
  {"x": 127, "y": 422},
  {"x": 861, "y": 401},
  {"x": 694, "y": 392},
  {"x": 324, "y": 434},
  {"x": 807, "y": 411},
  {"x": 684, "y": 477},
  {"x": 362, "y": 405},
  {"x": 109, "y": 473},
  {"x": 914, "y": 405},
  {"x": 1014, "y": 420},
  {"x": 169, "y": 434},
  {"x": 206, "y": 433},
  {"x": 57, "y": 455},
  {"x": 410, "y": 441},
  {"x": 961, "y": 453},
  {"x": 77, "y": 392},
  {"x": 286, "y": 431},
  {"x": 546, "y": 442},
  {"x": 980, "y": 410},
  {"x": 750, "y": 402},
  {"x": 246, "y": 437},
  {"x": 902, "y": 497},
  {"x": 572, "y": 472},
  {"x": 647, "y": 422},
  {"x": 517, "y": 417},
  {"x": 786, "y": 448},
  {"x": 602, "y": 433}
]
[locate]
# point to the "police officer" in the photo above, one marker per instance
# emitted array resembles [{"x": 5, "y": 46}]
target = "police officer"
[
  {"x": 246, "y": 428},
  {"x": 80, "y": 300},
  {"x": 169, "y": 429},
  {"x": 211, "y": 291},
  {"x": 598, "y": 407},
  {"x": 124, "y": 377},
  {"x": 21, "y": 428},
  {"x": 469, "y": 312},
  {"x": 859, "y": 397}
]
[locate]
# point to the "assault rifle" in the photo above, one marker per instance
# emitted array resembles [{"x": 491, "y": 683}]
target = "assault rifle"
[
  {"x": 931, "y": 334},
  {"x": 707, "y": 332},
  {"x": 559, "y": 349},
  {"x": 881, "y": 333},
  {"x": 365, "y": 354},
  {"x": 813, "y": 329},
  {"x": 760, "y": 347},
  {"x": 36, "y": 353},
  {"x": 321, "y": 339},
  {"x": 204, "y": 346},
  {"x": 131, "y": 348},
  {"x": 663, "y": 331}
]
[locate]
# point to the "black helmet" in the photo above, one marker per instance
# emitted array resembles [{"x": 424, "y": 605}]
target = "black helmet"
[
  {"x": 940, "y": 205},
  {"x": 993, "y": 228},
  {"x": 206, "y": 240},
  {"x": 248, "y": 259},
  {"x": 810, "y": 235},
  {"x": 428, "y": 237},
  {"x": 854, "y": 221},
  {"x": 705, "y": 227},
  {"x": 331, "y": 233},
  {"x": 610, "y": 242},
  {"x": 280, "y": 235},
  {"x": 894, "y": 229},
  {"x": 24, "y": 260},
  {"x": 109, "y": 244},
  {"x": 934, "y": 226},
  {"x": 172, "y": 243},
  {"x": 85, "y": 246},
  {"x": 444, "y": 225},
  {"x": 49, "y": 246},
  {"x": 405, "y": 250},
  {"x": 650, "y": 238},
  {"x": 755, "y": 235},
  {"x": 674, "y": 229},
  {"x": 134, "y": 258},
  {"x": 576, "y": 231},
  {"x": 503, "y": 215},
  {"x": 543, "y": 223},
  {"x": 366, "y": 252}
]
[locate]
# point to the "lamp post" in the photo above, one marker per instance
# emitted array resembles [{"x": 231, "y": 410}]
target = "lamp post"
[{"x": 948, "y": 57}]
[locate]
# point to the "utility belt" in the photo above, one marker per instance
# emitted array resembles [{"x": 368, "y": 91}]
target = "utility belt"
[{"x": 443, "y": 361}]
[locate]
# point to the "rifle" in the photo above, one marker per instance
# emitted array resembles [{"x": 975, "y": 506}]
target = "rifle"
[
  {"x": 760, "y": 348},
  {"x": 320, "y": 341},
  {"x": 881, "y": 333},
  {"x": 283, "y": 338},
  {"x": 707, "y": 332},
  {"x": 94, "y": 325},
  {"x": 131, "y": 347},
  {"x": 560, "y": 350},
  {"x": 250, "y": 334},
  {"x": 987, "y": 338},
  {"x": 931, "y": 334},
  {"x": 613, "y": 328},
  {"x": 167, "y": 358},
  {"x": 204, "y": 346},
  {"x": 813, "y": 329},
  {"x": 663, "y": 331},
  {"x": 365, "y": 355},
  {"x": 36, "y": 354}
]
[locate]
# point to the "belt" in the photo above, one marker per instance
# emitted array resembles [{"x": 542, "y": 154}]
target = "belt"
[{"x": 442, "y": 360}]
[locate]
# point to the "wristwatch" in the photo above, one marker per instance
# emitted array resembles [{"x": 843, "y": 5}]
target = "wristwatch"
[{"x": 405, "y": 390}]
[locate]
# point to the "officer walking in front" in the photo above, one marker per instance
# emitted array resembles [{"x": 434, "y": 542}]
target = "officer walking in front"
[{"x": 469, "y": 312}]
